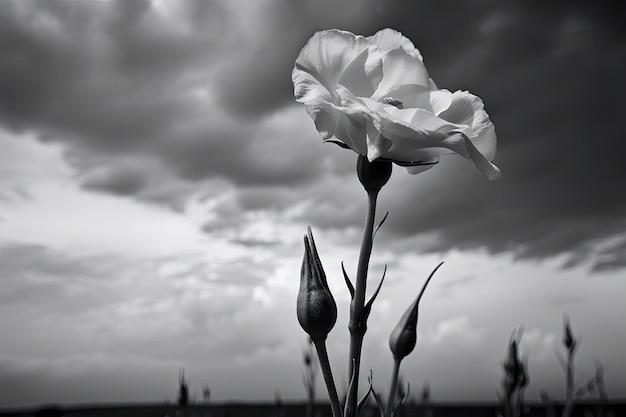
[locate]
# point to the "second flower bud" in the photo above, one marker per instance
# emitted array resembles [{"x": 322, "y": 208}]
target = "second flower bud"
[{"x": 316, "y": 307}]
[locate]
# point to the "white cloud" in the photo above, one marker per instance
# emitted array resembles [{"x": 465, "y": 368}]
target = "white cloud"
[
  {"x": 44, "y": 205},
  {"x": 457, "y": 331},
  {"x": 539, "y": 344},
  {"x": 67, "y": 218}
]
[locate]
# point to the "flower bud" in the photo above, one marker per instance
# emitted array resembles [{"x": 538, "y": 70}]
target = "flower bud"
[
  {"x": 568, "y": 338},
  {"x": 316, "y": 308},
  {"x": 513, "y": 370},
  {"x": 523, "y": 379},
  {"x": 373, "y": 175},
  {"x": 404, "y": 336}
]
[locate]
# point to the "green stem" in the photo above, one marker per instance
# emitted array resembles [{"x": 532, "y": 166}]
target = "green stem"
[
  {"x": 394, "y": 384},
  {"x": 519, "y": 401},
  {"x": 357, "y": 325},
  {"x": 322, "y": 354},
  {"x": 569, "y": 384},
  {"x": 507, "y": 406}
]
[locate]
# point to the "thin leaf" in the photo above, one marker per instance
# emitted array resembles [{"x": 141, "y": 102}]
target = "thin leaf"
[
  {"x": 348, "y": 282},
  {"x": 379, "y": 403},
  {"x": 338, "y": 143},
  {"x": 365, "y": 396},
  {"x": 367, "y": 308},
  {"x": 352, "y": 381},
  {"x": 380, "y": 224},
  {"x": 403, "y": 400},
  {"x": 380, "y": 284}
]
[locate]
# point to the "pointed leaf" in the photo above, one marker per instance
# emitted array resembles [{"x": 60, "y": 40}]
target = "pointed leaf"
[
  {"x": 379, "y": 403},
  {"x": 365, "y": 396},
  {"x": 348, "y": 282},
  {"x": 338, "y": 142},
  {"x": 380, "y": 284},
  {"x": 403, "y": 400},
  {"x": 352, "y": 381},
  {"x": 380, "y": 224}
]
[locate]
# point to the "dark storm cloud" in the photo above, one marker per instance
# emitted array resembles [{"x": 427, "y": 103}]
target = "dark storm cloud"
[
  {"x": 126, "y": 181},
  {"x": 102, "y": 73},
  {"x": 551, "y": 78},
  {"x": 261, "y": 78},
  {"x": 115, "y": 79},
  {"x": 240, "y": 154},
  {"x": 47, "y": 280}
]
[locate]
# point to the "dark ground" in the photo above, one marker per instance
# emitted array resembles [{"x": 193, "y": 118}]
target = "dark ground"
[{"x": 299, "y": 410}]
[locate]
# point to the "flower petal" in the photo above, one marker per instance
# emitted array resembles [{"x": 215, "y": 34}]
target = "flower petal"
[
  {"x": 416, "y": 135},
  {"x": 389, "y": 39},
  {"x": 318, "y": 101},
  {"x": 423, "y": 119},
  {"x": 468, "y": 109},
  {"x": 364, "y": 73},
  {"x": 320, "y": 65},
  {"x": 414, "y": 119},
  {"x": 328, "y": 53},
  {"x": 463, "y": 109},
  {"x": 394, "y": 135},
  {"x": 399, "y": 68},
  {"x": 462, "y": 145},
  {"x": 351, "y": 121},
  {"x": 349, "y": 131},
  {"x": 418, "y": 96},
  {"x": 377, "y": 145}
]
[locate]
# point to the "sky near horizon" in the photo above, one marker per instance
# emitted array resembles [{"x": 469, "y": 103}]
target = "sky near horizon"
[{"x": 157, "y": 177}]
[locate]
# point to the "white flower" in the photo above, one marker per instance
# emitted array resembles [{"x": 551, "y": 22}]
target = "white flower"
[{"x": 374, "y": 96}]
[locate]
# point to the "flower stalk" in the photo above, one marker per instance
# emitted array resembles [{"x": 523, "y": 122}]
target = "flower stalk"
[
  {"x": 515, "y": 378},
  {"x": 309, "y": 378},
  {"x": 322, "y": 354},
  {"x": 357, "y": 324},
  {"x": 571, "y": 344},
  {"x": 394, "y": 384},
  {"x": 403, "y": 339},
  {"x": 373, "y": 176}
]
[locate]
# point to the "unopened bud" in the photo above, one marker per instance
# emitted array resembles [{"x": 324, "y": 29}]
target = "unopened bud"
[
  {"x": 568, "y": 338},
  {"x": 404, "y": 336},
  {"x": 373, "y": 175},
  {"x": 515, "y": 375},
  {"x": 523, "y": 378},
  {"x": 316, "y": 308},
  {"x": 512, "y": 364}
]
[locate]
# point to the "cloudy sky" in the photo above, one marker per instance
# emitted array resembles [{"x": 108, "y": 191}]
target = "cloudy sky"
[{"x": 156, "y": 178}]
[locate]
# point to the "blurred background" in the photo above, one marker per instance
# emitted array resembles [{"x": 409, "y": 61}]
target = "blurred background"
[{"x": 157, "y": 176}]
